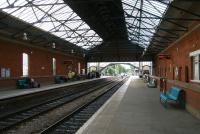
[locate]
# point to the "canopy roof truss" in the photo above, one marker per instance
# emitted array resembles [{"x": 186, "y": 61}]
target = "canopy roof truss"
[
  {"x": 130, "y": 29},
  {"x": 54, "y": 17},
  {"x": 142, "y": 19}
]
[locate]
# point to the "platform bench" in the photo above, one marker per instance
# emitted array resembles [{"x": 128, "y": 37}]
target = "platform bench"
[
  {"x": 152, "y": 83},
  {"x": 60, "y": 79},
  {"x": 22, "y": 83},
  {"x": 175, "y": 95},
  {"x": 27, "y": 83}
]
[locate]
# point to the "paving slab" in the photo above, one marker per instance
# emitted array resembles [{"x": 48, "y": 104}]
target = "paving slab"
[{"x": 136, "y": 109}]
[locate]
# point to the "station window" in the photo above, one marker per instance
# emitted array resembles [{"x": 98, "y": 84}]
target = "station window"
[
  {"x": 54, "y": 66},
  {"x": 5, "y": 73},
  {"x": 79, "y": 68},
  {"x": 196, "y": 67},
  {"x": 195, "y": 64},
  {"x": 176, "y": 73},
  {"x": 25, "y": 64}
]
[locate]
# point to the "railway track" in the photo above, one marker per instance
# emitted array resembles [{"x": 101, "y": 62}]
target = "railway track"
[
  {"x": 18, "y": 103},
  {"x": 15, "y": 119},
  {"x": 73, "y": 121}
]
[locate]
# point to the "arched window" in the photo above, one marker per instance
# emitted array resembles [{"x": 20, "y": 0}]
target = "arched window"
[
  {"x": 195, "y": 64},
  {"x": 25, "y": 64},
  {"x": 79, "y": 67},
  {"x": 54, "y": 66}
]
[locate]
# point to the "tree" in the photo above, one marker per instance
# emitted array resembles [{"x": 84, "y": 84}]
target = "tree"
[{"x": 114, "y": 70}]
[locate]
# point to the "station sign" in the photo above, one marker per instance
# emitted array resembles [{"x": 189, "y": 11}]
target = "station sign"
[{"x": 164, "y": 56}]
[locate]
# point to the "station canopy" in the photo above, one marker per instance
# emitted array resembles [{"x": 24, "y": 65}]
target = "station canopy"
[
  {"x": 55, "y": 17},
  {"x": 142, "y": 19},
  {"x": 103, "y": 30}
]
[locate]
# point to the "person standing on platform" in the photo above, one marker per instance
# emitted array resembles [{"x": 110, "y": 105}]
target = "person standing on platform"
[
  {"x": 70, "y": 74},
  {"x": 73, "y": 74}
]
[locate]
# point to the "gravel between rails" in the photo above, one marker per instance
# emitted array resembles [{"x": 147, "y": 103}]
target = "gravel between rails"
[{"x": 37, "y": 124}]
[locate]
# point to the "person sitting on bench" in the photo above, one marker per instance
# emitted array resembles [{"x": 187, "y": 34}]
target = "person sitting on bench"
[
  {"x": 27, "y": 82},
  {"x": 33, "y": 83}
]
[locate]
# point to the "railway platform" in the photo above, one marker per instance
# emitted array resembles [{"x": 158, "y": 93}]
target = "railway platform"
[
  {"x": 6, "y": 94},
  {"x": 136, "y": 109}
]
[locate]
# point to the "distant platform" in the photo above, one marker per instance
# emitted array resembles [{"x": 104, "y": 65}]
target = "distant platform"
[
  {"x": 5, "y": 94},
  {"x": 136, "y": 109}
]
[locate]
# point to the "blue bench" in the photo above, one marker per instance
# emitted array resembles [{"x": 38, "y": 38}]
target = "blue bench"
[
  {"x": 60, "y": 79},
  {"x": 27, "y": 83},
  {"x": 22, "y": 83},
  {"x": 175, "y": 95},
  {"x": 152, "y": 83}
]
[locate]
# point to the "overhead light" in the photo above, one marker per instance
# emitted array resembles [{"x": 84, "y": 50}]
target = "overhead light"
[
  {"x": 25, "y": 36},
  {"x": 53, "y": 45}
]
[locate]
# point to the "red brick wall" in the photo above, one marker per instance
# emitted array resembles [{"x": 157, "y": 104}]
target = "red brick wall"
[
  {"x": 193, "y": 99},
  {"x": 180, "y": 55},
  {"x": 179, "y": 52},
  {"x": 11, "y": 57}
]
